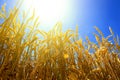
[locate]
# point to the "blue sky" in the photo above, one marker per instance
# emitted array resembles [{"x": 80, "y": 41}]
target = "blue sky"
[{"x": 89, "y": 13}]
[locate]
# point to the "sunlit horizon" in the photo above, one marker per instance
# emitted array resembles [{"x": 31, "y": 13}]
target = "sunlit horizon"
[{"x": 85, "y": 14}]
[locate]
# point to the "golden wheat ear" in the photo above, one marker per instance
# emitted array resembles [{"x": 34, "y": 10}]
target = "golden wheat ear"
[
  {"x": 110, "y": 29},
  {"x": 99, "y": 31}
]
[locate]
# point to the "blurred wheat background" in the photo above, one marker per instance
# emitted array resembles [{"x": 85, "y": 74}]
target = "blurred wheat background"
[{"x": 56, "y": 55}]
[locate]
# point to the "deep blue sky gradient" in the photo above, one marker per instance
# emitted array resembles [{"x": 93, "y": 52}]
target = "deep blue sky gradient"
[
  {"x": 100, "y": 13},
  {"x": 89, "y": 13}
]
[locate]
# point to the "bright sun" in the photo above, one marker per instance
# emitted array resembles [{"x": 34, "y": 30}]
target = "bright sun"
[{"x": 49, "y": 11}]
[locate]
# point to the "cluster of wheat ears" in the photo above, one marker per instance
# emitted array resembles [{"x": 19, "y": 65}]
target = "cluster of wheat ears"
[{"x": 28, "y": 53}]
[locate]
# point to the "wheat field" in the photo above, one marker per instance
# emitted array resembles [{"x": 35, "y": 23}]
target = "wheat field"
[{"x": 28, "y": 53}]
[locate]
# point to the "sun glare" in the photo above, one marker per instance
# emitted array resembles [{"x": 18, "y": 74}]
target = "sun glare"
[{"x": 49, "y": 11}]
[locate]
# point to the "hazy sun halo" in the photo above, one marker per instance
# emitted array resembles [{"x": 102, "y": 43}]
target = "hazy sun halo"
[{"x": 49, "y": 11}]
